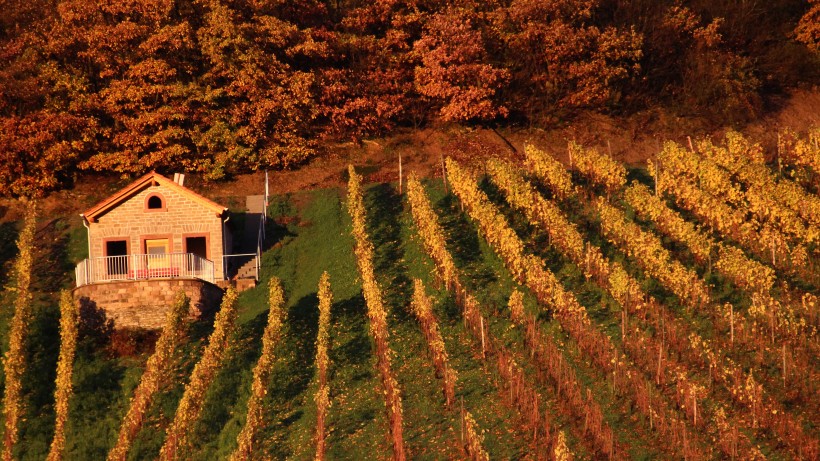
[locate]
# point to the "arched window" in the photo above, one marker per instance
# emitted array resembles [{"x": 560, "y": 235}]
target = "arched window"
[{"x": 155, "y": 202}]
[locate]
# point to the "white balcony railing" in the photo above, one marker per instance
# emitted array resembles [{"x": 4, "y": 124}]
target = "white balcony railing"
[{"x": 144, "y": 266}]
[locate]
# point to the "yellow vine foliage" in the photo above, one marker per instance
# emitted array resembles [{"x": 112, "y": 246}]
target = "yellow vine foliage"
[
  {"x": 527, "y": 268},
  {"x": 802, "y": 151},
  {"x": 564, "y": 235},
  {"x": 156, "y": 368},
  {"x": 474, "y": 440},
  {"x": 779, "y": 203},
  {"x": 652, "y": 208},
  {"x": 561, "y": 451},
  {"x": 323, "y": 362},
  {"x": 262, "y": 372},
  {"x": 602, "y": 170},
  {"x": 190, "y": 406},
  {"x": 432, "y": 235},
  {"x": 771, "y": 198},
  {"x": 65, "y": 366},
  {"x": 648, "y": 251},
  {"x": 376, "y": 312},
  {"x": 702, "y": 184},
  {"x": 712, "y": 210},
  {"x": 730, "y": 261},
  {"x": 516, "y": 305},
  {"x": 550, "y": 170},
  {"x": 14, "y": 362}
]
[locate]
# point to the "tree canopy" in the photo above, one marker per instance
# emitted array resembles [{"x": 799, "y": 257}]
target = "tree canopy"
[{"x": 217, "y": 87}]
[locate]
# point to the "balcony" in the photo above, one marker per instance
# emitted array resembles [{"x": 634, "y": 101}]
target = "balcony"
[{"x": 144, "y": 267}]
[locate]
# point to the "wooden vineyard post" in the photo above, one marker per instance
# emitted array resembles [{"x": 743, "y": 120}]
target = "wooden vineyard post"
[
  {"x": 660, "y": 353},
  {"x": 623, "y": 324},
  {"x": 462, "y": 419},
  {"x": 400, "y": 176},
  {"x": 784, "y": 365},
  {"x": 695, "y": 409},
  {"x": 771, "y": 322},
  {"x": 732, "y": 323},
  {"x": 443, "y": 173},
  {"x": 483, "y": 355}
]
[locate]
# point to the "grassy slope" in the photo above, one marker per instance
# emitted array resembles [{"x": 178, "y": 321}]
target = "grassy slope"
[{"x": 312, "y": 236}]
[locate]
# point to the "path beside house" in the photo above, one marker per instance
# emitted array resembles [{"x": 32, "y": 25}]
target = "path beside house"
[{"x": 254, "y": 209}]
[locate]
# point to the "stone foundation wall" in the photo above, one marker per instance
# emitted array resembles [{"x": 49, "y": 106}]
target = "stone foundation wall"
[{"x": 144, "y": 303}]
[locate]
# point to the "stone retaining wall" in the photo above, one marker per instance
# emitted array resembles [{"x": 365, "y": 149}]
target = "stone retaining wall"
[{"x": 144, "y": 303}]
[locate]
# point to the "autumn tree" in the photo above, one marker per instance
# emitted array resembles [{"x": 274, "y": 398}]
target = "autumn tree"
[
  {"x": 455, "y": 71},
  {"x": 262, "y": 105},
  {"x": 808, "y": 29},
  {"x": 366, "y": 85},
  {"x": 560, "y": 59}
]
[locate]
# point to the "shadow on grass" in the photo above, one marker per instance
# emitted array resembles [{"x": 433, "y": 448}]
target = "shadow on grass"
[
  {"x": 358, "y": 350},
  {"x": 463, "y": 242},
  {"x": 384, "y": 210},
  {"x": 353, "y": 360},
  {"x": 8, "y": 247}
]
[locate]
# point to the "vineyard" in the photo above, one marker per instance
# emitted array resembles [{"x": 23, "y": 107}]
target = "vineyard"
[{"x": 515, "y": 307}]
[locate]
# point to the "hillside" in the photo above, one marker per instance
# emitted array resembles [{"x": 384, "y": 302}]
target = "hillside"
[{"x": 607, "y": 288}]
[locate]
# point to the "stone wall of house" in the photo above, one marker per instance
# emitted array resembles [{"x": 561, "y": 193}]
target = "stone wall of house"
[
  {"x": 144, "y": 303},
  {"x": 182, "y": 216}
]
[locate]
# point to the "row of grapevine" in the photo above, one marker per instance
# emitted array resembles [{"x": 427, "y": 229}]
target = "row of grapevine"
[
  {"x": 157, "y": 367},
  {"x": 422, "y": 308},
  {"x": 562, "y": 376},
  {"x": 601, "y": 169},
  {"x": 765, "y": 239},
  {"x": 433, "y": 236},
  {"x": 65, "y": 366},
  {"x": 649, "y": 252},
  {"x": 376, "y": 313},
  {"x": 795, "y": 436},
  {"x": 745, "y": 161},
  {"x": 750, "y": 275},
  {"x": 546, "y": 166},
  {"x": 322, "y": 363},
  {"x": 14, "y": 361},
  {"x": 609, "y": 276},
  {"x": 679, "y": 163},
  {"x": 760, "y": 192},
  {"x": 518, "y": 389},
  {"x": 261, "y": 372},
  {"x": 731, "y": 261},
  {"x": 724, "y": 365},
  {"x": 564, "y": 235},
  {"x": 570, "y": 314},
  {"x": 177, "y": 439},
  {"x": 801, "y": 152}
]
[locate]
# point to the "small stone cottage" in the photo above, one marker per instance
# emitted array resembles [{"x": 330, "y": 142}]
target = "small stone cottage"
[{"x": 147, "y": 241}]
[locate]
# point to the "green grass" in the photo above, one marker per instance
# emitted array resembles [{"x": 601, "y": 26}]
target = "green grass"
[{"x": 310, "y": 232}]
